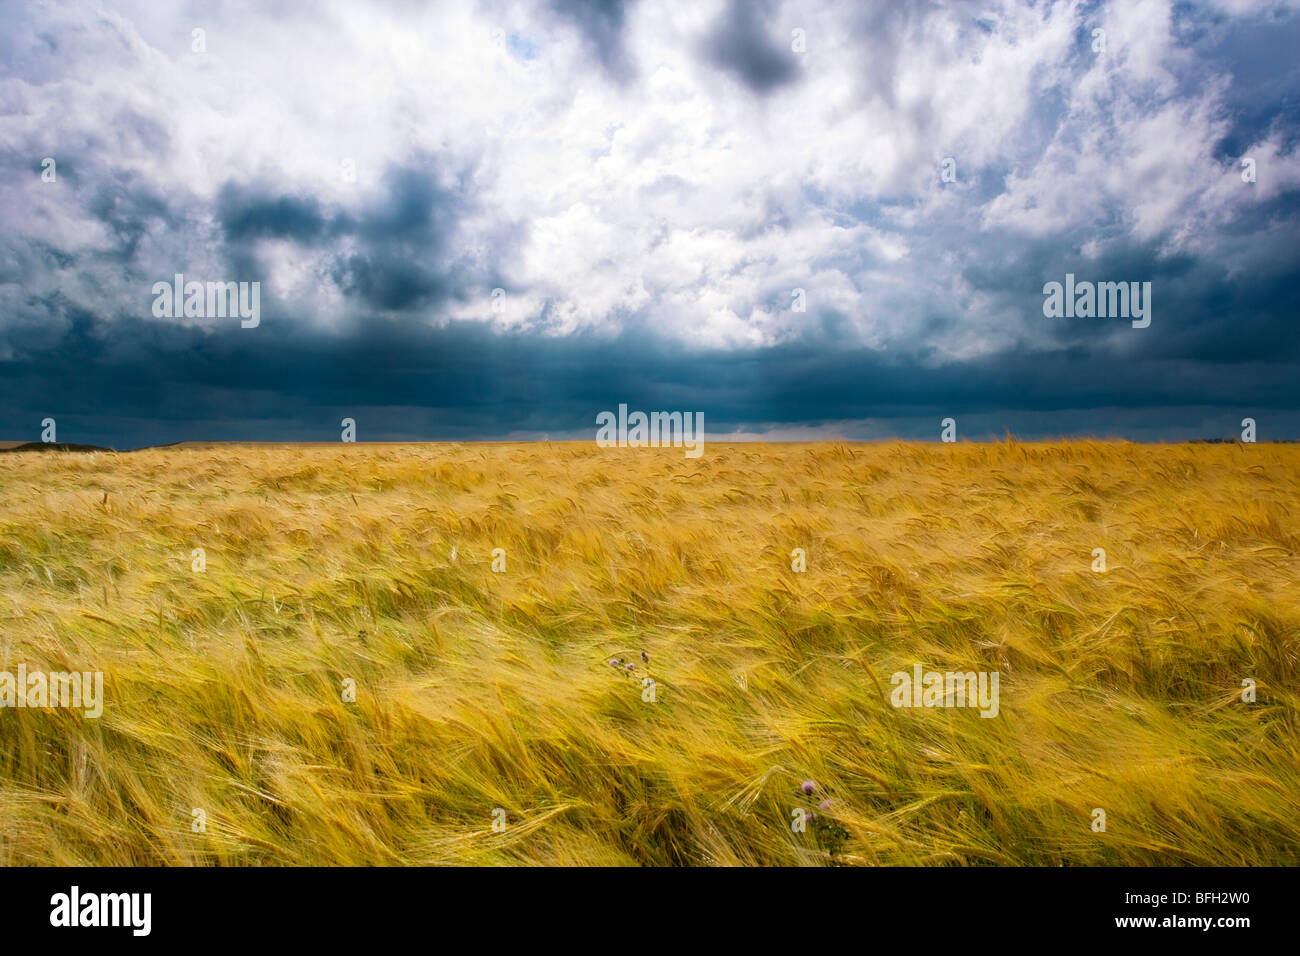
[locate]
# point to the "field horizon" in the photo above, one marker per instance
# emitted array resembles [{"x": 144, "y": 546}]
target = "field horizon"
[{"x": 200, "y": 443}]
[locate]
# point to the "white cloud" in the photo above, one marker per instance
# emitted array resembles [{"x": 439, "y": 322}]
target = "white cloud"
[{"x": 679, "y": 199}]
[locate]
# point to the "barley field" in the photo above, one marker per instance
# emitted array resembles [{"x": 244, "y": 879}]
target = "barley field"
[{"x": 496, "y": 720}]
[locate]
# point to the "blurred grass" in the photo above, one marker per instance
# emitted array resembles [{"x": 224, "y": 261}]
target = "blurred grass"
[{"x": 478, "y": 690}]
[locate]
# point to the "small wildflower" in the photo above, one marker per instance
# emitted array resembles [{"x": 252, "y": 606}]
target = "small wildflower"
[
  {"x": 614, "y": 662},
  {"x": 631, "y": 666},
  {"x": 808, "y": 786},
  {"x": 825, "y": 804},
  {"x": 645, "y": 658}
]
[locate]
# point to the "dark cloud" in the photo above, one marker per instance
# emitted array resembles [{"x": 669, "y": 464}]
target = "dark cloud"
[
  {"x": 128, "y": 207},
  {"x": 739, "y": 44},
  {"x": 154, "y": 382},
  {"x": 402, "y": 236},
  {"x": 394, "y": 284},
  {"x": 601, "y": 23},
  {"x": 1257, "y": 55},
  {"x": 415, "y": 208},
  {"x": 246, "y": 216}
]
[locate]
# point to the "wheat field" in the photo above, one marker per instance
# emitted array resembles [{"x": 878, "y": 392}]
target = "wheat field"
[{"x": 490, "y": 727}]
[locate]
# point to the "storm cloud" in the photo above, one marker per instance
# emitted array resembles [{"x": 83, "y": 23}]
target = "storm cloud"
[{"x": 487, "y": 220}]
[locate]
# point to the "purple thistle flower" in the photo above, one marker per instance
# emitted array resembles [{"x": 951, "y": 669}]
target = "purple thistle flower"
[
  {"x": 825, "y": 804},
  {"x": 631, "y": 666},
  {"x": 808, "y": 786},
  {"x": 614, "y": 662}
]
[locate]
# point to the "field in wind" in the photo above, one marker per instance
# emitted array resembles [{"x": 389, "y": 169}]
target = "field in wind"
[{"x": 479, "y": 690}]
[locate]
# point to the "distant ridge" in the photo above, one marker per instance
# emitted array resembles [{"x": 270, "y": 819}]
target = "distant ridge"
[{"x": 49, "y": 446}]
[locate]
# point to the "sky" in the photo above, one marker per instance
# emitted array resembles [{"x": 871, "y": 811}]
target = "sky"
[{"x": 493, "y": 220}]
